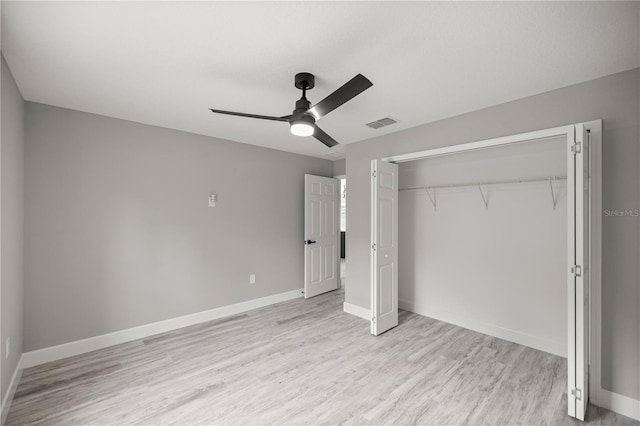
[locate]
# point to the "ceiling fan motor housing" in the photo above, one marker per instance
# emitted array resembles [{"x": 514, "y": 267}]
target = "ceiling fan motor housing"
[{"x": 302, "y": 106}]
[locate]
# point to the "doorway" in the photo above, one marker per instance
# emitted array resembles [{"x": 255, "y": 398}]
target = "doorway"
[
  {"x": 321, "y": 237},
  {"x": 343, "y": 229},
  {"x": 324, "y": 230}
]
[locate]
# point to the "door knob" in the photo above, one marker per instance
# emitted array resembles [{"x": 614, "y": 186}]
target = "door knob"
[{"x": 309, "y": 242}]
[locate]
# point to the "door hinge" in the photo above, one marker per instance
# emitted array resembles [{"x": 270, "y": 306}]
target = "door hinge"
[
  {"x": 373, "y": 246},
  {"x": 576, "y": 270},
  {"x": 576, "y": 148},
  {"x": 577, "y": 393},
  {"x": 373, "y": 320},
  {"x": 373, "y": 173}
]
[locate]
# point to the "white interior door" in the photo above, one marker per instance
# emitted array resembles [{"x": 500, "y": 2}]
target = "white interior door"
[
  {"x": 578, "y": 174},
  {"x": 321, "y": 248},
  {"x": 384, "y": 246}
]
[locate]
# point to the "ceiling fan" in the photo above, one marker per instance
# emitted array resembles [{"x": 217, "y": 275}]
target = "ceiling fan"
[{"x": 302, "y": 121}]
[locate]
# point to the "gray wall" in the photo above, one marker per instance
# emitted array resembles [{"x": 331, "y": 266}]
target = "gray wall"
[
  {"x": 465, "y": 264},
  {"x": 339, "y": 167},
  {"x": 12, "y": 202},
  {"x": 119, "y": 232},
  {"x": 615, "y": 100}
]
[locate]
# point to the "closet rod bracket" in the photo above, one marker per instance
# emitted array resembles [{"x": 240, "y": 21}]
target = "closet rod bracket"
[
  {"x": 554, "y": 196},
  {"x": 431, "y": 198},
  {"x": 484, "y": 198}
]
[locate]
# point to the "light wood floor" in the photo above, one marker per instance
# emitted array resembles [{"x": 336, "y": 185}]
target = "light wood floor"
[{"x": 303, "y": 362}]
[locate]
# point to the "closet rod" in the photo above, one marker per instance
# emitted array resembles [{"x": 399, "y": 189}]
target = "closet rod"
[{"x": 495, "y": 182}]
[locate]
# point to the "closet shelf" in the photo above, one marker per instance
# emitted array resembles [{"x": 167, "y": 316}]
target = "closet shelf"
[
  {"x": 487, "y": 183},
  {"x": 479, "y": 185}
]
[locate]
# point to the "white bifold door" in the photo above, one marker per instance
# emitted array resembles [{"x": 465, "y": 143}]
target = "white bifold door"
[
  {"x": 578, "y": 179},
  {"x": 384, "y": 246},
  {"x": 320, "y": 235}
]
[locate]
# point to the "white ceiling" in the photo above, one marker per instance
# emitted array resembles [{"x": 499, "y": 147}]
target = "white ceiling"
[{"x": 165, "y": 63}]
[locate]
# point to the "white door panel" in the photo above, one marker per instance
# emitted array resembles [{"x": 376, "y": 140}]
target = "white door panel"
[
  {"x": 578, "y": 179},
  {"x": 581, "y": 340},
  {"x": 321, "y": 235},
  {"x": 384, "y": 246},
  {"x": 571, "y": 279}
]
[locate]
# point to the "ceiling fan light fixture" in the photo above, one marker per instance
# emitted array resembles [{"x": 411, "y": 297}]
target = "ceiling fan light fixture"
[{"x": 302, "y": 126}]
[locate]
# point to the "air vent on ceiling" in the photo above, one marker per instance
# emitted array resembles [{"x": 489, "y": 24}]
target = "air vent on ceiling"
[{"x": 383, "y": 122}]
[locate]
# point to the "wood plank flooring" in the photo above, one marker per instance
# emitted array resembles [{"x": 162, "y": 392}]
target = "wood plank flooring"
[{"x": 303, "y": 362}]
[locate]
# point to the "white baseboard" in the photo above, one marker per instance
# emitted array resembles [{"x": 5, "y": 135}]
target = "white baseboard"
[
  {"x": 78, "y": 347},
  {"x": 11, "y": 391},
  {"x": 357, "y": 311},
  {"x": 616, "y": 402},
  {"x": 490, "y": 329}
]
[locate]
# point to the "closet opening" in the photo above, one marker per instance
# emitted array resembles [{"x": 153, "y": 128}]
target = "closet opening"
[
  {"x": 494, "y": 236},
  {"x": 482, "y": 241}
]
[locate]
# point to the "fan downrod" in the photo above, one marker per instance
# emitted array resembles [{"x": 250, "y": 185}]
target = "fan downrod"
[{"x": 305, "y": 81}]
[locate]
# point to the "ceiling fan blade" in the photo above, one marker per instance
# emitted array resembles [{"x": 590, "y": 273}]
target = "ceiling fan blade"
[
  {"x": 241, "y": 114},
  {"x": 346, "y": 92},
  {"x": 319, "y": 134}
]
